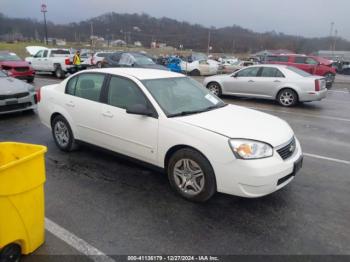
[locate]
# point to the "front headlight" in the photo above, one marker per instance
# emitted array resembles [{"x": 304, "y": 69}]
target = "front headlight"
[{"x": 250, "y": 149}]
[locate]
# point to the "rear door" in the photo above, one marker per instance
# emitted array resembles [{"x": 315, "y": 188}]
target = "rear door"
[
  {"x": 270, "y": 79},
  {"x": 82, "y": 102},
  {"x": 242, "y": 82},
  {"x": 129, "y": 134},
  {"x": 305, "y": 63}
]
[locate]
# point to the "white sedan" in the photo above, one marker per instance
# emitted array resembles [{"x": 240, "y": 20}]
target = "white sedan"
[
  {"x": 286, "y": 84},
  {"x": 172, "y": 122},
  {"x": 204, "y": 67}
]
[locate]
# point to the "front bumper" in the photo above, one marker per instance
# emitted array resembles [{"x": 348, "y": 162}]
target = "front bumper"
[
  {"x": 17, "y": 105},
  {"x": 256, "y": 178}
]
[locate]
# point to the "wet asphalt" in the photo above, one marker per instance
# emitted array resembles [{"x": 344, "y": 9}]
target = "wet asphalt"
[{"x": 121, "y": 207}]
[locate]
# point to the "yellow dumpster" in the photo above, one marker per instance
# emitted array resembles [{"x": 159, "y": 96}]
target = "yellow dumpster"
[{"x": 22, "y": 178}]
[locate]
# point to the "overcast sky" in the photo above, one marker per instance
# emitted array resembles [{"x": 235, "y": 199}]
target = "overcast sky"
[{"x": 298, "y": 17}]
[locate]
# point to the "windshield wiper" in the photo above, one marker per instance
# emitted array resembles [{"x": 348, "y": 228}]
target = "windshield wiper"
[{"x": 191, "y": 112}]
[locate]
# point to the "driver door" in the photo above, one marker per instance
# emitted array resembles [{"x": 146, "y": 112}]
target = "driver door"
[
  {"x": 132, "y": 135},
  {"x": 243, "y": 82},
  {"x": 37, "y": 60}
]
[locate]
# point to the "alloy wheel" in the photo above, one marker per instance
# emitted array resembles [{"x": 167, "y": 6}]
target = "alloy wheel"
[
  {"x": 188, "y": 176},
  {"x": 287, "y": 98},
  {"x": 61, "y": 133},
  {"x": 214, "y": 88}
]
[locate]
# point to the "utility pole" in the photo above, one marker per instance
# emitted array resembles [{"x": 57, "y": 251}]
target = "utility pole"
[
  {"x": 44, "y": 10},
  {"x": 335, "y": 41},
  {"x": 208, "y": 42},
  {"x": 331, "y": 34}
]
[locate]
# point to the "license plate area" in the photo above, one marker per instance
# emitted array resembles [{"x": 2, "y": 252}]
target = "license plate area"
[{"x": 11, "y": 102}]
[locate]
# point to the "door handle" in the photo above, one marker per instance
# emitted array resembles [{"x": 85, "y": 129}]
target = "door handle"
[
  {"x": 107, "y": 114},
  {"x": 70, "y": 104},
  {"x": 251, "y": 81},
  {"x": 277, "y": 81}
]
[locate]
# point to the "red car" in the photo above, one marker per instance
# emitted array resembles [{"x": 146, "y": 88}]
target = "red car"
[
  {"x": 312, "y": 64},
  {"x": 16, "y": 67}
]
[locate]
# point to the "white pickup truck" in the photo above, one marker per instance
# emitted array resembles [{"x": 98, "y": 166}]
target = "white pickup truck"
[{"x": 54, "y": 60}]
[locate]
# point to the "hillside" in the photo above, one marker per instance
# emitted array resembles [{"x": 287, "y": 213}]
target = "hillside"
[{"x": 192, "y": 36}]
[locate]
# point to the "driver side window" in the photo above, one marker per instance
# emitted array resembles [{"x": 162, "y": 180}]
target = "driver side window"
[
  {"x": 248, "y": 72},
  {"x": 39, "y": 54},
  {"x": 123, "y": 93}
]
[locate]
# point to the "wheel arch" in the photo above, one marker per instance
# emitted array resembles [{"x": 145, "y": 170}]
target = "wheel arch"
[
  {"x": 287, "y": 87},
  {"x": 73, "y": 128}
]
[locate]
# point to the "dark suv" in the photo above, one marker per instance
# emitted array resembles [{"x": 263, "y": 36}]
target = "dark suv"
[{"x": 312, "y": 64}]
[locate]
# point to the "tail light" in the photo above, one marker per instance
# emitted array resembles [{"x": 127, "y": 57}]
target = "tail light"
[
  {"x": 67, "y": 61},
  {"x": 317, "y": 85},
  {"x": 38, "y": 95}
]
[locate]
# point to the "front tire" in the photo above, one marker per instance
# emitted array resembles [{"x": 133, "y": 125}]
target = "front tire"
[
  {"x": 191, "y": 175},
  {"x": 195, "y": 72},
  {"x": 287, "y": 97},
  {"x": 10, "y": 253},
  {"x": 62, "y": 134},
  {"x": 215, "y": 88}
]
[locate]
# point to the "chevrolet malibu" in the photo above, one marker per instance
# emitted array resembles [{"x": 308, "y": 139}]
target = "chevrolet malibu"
[{"x": 172, "y": 122}]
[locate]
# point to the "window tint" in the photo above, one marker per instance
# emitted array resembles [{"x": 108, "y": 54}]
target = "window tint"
[
  {"x": 248, "y": 72},
  {"x": 300, "y": 60},
  {"x": 45, "y": 53},
  {"x": 271, "y": 72},
  {"x": 70, "y": 88},
  {"x": 203, "y": 62},
  {"x": 39, "y": 54},
  {"x": 311, "y": 61},
  {"x": 89, "y": 86},
  {"x": 277, "y": 58},
  {"x": 123, "y": 93}
]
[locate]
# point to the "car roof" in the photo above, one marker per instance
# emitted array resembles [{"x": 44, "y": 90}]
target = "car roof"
[
  {"x": 139, "y": 73},
  {"x": 268, "y": 65}
]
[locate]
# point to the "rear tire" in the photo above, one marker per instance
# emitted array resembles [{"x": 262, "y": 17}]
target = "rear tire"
[
  {"x": 62, "y": 134},
  {"x": 287, "y": 97},
  {"x": 195, "y": 72},
  {"x": 99, "y": 65},
  {"x": 10, "y": 253},
  {"x": 59, "y": 73},
  {"x": 191, "y": 175}
]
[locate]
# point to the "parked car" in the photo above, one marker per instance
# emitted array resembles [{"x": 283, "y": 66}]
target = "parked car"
[
  {"x": 56, "y": 61},
  {"x": 15, "y": 95},
  {"x": 231, "y": 66},
  {"x": 130, "y": 59},
  {"x": 98, "y": 57},
  {"x": 200, "y": 67},
  {"x": 16, "y": 66},
  {"x": 172, "y": 122},
  {"x": 286, "y": 84},
  {"x": 312, "y": 64}
]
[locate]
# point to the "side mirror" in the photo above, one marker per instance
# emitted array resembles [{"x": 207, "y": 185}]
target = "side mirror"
[
  {"x": 139, "y": 109},
  {"x": 234, "y": 75}
]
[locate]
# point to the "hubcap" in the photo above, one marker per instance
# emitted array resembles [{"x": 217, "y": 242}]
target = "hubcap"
[
  {"x": 287, "y": 98},
  {"x": 61, "y": 133},
  {"x": 188, "y": 176},
  {"x": 215, "y": 89}
]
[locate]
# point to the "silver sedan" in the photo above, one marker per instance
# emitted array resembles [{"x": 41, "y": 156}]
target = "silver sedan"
[
  {"x": 288, "y": 85},
  {"x": 15, "y": 95}
]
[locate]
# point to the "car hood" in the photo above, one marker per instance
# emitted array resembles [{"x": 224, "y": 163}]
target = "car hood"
[
  {"x": 239, "y": 122},
  {"x": 15, "y": 63},
  {"x": 10, "y": 85}
]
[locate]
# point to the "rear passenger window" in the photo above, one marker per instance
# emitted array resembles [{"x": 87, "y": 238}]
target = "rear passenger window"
[
  {"x": 271, "y": 72},
  {"x": 89, "y": 86},
  {"x": 300, "y": 60},
  {"x": 123, "y": 93}
]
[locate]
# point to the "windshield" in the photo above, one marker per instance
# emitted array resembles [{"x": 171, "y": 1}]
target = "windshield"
[
  {"x": 182, "y": 96},
  {"x": 9, "y": 57},
  {"x": 298, "y": 71}
]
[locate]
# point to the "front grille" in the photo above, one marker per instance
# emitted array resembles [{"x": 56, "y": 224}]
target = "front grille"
[
  {"x": 14, "y": 107},
  {"x": 18, "y": 95},
  {"x": 22, "y": 69},
  {"x": 288, "y": 150}
]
